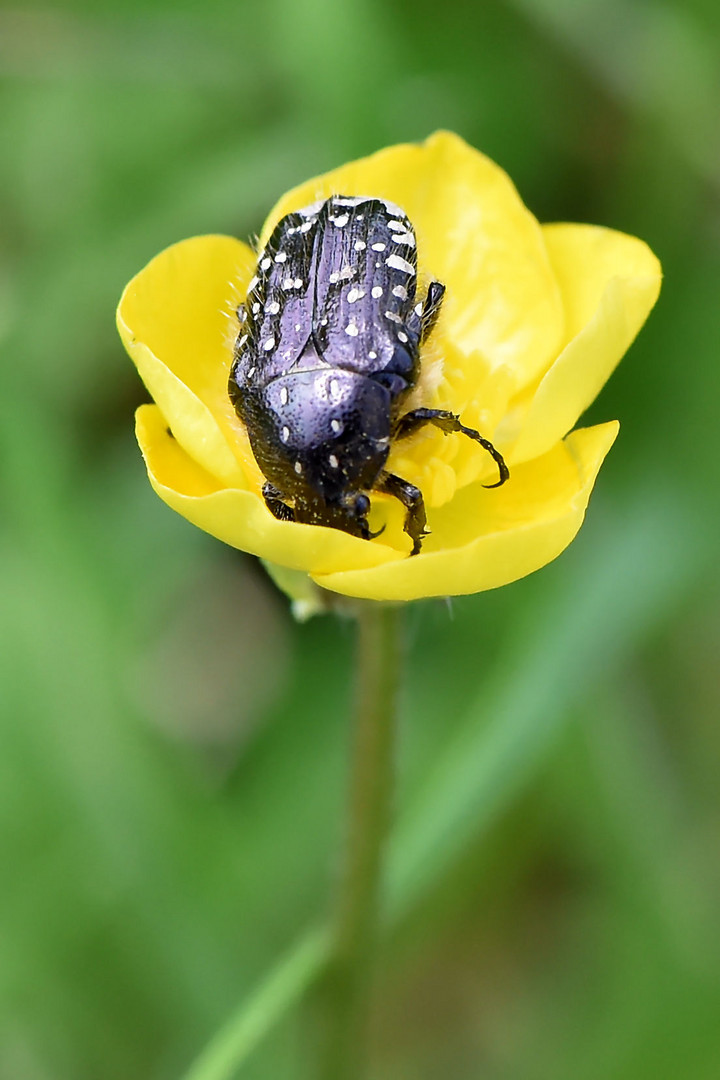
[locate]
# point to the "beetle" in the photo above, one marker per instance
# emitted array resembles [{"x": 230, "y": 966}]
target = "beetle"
[{"x": 327, "y": 351}]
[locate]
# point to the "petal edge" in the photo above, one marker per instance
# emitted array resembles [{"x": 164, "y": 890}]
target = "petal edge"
[
  {"x": 493, "y": 559},
  {"x": 610, "y": 282},
  {"x": 239, "y": 517}
]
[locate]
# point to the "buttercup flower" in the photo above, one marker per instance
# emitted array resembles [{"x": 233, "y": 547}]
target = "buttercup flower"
[{"x": 534, "y": 321}]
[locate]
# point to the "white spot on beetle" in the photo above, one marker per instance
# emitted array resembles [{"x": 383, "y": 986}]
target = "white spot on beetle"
[
  {"x": 397, "y": 226},
  {"x": 307, "y": 226},
  {"x": 376, "y": 291},
  {"x": 347, "y": 272},
  {"x": 242, "y": 341},
  {"x": 334, "y": 387},
  {"x": 256, "y": 308},
  {"x": 298, "y": 283},
  {"x": 298, "y": 467},
  {"x": 405, "y": 238},
  {"x": 281, "y": 257},
  {"x": 351, "y": 330},
  {"x": 336, "y": 426},
  {"x": 354, "y": 295},
  {"x": 266, "y": 264},
  {"x": 402, "y": 336},
  {"x": 288, "y": 283},
  {"x": 242, "y": 314},
  {"x": 379, "y": 247},
  {"x": 340, "y": 221},
  {"x": 400, "y": 291},
  {"x": 269, "y": 344},
  {"x": 334, "y": 278},
  {"x": 272, "y": 308},
  {"x": 323, "y": 321},
  {"x": 396, "y": 262},
  {"x": 333, "y": 461},
  {"x": 298, "y": 326},
  {"x": 418, "y": 309},
  {"x": 393, "y": 317},
  {"x": 285, "y": 434},
  {"x": 283, "y": 395},
  {"x": 250, "y": 373},
  {"x": 359, "y": 245},
  {"x": 372, "y": 355}
]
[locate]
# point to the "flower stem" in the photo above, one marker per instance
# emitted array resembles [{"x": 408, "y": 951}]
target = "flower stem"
[{"x": 348, "y": 985}]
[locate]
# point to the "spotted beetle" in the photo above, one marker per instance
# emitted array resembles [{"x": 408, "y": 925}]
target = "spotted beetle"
[{"x": 328, "y": 349}]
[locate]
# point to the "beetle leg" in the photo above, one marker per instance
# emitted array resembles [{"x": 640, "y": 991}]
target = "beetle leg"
[
  {"x": 365, "y": 532},
  {"x": 448, "y": 422},
  {"x": 274, "y": 502},
  {"x": 412, "y": 499},
  {"x": 424, "y": 315},
  {"x": 431, "y": 309},
  {"x": 357, "y": 505}
]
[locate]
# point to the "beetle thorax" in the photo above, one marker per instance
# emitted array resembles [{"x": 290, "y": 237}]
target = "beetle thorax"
[{"x": 322, "y": 432}]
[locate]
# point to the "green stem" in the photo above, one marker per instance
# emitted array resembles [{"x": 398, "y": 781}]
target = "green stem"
[{"x": 348, "y": 985}]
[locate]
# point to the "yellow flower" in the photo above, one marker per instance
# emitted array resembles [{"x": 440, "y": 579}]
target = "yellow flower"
[{"x": 534, "y": 321}]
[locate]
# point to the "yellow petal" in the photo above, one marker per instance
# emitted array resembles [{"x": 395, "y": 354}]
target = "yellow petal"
[
  {"x": 484, "y": 539},
  {"x": 474, "y": 234},
  {"x": 175, "y": 318},
  {"x": 609, "y": 283},
  {"x": 240, "y": 518}
]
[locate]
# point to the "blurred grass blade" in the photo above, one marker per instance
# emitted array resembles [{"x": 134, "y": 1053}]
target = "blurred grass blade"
[
  {"x": 649, "y": 829},
  {"x": 617, "y": 593},
  {"x": 233, "y": 1044},
  {"x": 609, "y": 604},
  {"x": 657, "y": 59}
]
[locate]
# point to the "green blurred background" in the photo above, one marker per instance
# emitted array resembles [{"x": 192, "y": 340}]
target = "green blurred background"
[{"x": 172, "y": 745}]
